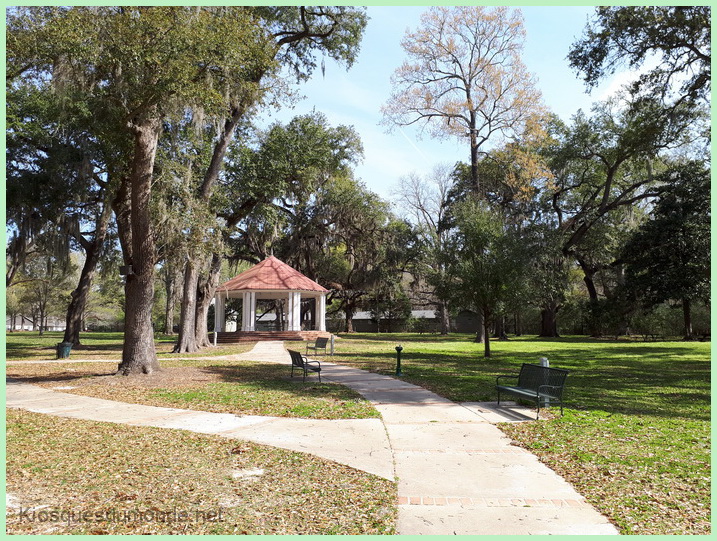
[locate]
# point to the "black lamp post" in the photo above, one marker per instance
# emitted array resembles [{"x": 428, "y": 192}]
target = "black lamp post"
[{"x": 399, "y": 349}]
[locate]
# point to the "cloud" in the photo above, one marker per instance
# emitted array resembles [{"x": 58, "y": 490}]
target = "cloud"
[{"x": 623, "y": 78}]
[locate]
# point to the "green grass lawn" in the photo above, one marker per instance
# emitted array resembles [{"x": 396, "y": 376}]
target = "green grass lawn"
[
  {"x": 215, "y": 385},
  {"x": 97, "y": 345},
  {"x": 261, "y": 389},
  {"x": 635, "y": 439},
  {"x": 238, "y": 387}
]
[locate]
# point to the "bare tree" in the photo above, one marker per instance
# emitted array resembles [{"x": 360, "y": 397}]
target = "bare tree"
[
  {"x": 464, "y": 77},
  {"x": 425, "y": 202}
]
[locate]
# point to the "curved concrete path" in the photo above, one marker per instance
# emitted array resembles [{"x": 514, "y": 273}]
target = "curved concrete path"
[{"x": 457, "y": 472}]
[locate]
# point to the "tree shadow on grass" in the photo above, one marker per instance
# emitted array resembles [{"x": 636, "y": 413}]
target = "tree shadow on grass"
[
  {"x": 655, "y": 380},
  {"x": 62, "y": 377},
  {"x": 277, "y": 377},
  {"x": 33, "y": 352},
  {"x": 405, "y": 337}
]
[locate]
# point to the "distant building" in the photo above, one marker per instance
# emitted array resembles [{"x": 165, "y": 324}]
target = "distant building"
[
  {"x": 421, "y": 321},
  {"x": 22, "y": 323}
]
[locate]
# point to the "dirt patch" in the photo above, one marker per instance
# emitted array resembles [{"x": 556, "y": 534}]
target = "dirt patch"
[
  {"x": 92, "y": 374},
  {"x": 172, "y": 377}
]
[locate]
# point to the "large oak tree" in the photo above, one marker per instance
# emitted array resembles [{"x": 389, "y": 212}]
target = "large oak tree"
[
  {"x": 295, "y": 36},
  {"x": 133, "y": 66},
  {"x": 679, "y": 36},
  {"x": 668, "y": 257}
]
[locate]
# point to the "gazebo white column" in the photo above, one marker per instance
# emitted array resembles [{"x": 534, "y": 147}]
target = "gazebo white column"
[
  {"x": 248, "y": 311},
  {"x": 321, "y": 312},
  {"x": 219, "y": 314},
  {"x": 297, "y": 311},
  {"x": 290, "y": 312},
  {"x": 294, "y": 311}
]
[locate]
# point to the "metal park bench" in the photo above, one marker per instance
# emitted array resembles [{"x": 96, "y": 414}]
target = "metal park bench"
[
  {"x": 319, "y": 344},
  {"x": 302, "y": 363},
  {"x": 540, "y": 384}
]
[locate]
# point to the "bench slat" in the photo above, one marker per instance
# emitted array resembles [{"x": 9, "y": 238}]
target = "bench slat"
[
  {"x": 527, "y": 392},
  {"x": 321, "y": 343},
  {"x": 536, "y": 382},
  {"x": 301, "y": 362}
]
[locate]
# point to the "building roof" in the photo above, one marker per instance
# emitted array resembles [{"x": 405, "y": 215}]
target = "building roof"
[
  {"x": 418, "y": 314},
  {"x": 271, "y": 275}
]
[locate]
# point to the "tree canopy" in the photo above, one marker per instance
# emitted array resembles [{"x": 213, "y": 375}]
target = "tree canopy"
[
  {"x": 679, "y": 36},
  {"x": 131, "y": 135},
  {"x": 135, "y": 67},
  {"x": 668, "y": 257}
]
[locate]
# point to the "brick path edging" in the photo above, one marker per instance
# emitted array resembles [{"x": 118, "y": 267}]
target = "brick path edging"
[{"x": 491, "y": 502}]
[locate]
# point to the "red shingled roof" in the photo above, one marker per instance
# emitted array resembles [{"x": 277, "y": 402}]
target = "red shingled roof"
[{"x": 271, "y": 274}]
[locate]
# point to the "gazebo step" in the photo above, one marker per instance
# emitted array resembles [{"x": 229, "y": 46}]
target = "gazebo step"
[{"x": 258, "y": 336}]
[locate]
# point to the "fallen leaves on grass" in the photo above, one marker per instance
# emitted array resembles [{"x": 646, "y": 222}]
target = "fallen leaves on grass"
[
  {"x": 82, "y": 477},
  {"x": 637, "y": 471}
]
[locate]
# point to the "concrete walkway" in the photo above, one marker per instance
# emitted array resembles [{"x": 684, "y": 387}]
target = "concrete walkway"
[{"x": 457, "y": 472}]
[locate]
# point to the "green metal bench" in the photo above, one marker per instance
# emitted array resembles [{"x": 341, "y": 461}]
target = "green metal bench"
[
  {"x": 302, "y": 363},
  {"x": 320, "y": 343},
  {"x": 540, "y": 384}
]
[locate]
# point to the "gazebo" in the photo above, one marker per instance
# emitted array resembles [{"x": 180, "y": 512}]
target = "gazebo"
[{"x": 271, "y": 279}]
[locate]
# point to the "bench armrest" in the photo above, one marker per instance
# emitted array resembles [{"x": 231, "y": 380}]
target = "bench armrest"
[
  {"x": 307, "y": 361},
  {"x": 497, "y": 379},
  {"x": 550, "y": 387}
]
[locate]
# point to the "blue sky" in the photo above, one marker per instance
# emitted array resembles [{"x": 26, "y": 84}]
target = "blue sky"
[{"x": 355, "y": 97}]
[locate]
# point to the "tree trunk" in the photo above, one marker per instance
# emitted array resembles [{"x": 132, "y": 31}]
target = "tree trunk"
[
  {"x": 138, "y": 353},
  {"x": 122, "y": 207},
  {"x": 481, "y": 332},
  {"x": 42, "y": 322},
  {"x": 15, "y": 253},
  {"x": 312, "y": 311},
  {"x": 590, "y": 285},
  {"x": 623, "y": 324},
  {"x": 205, "y": 293},
  {"x": 588, "y": 274},
  {"x": 78, "y": 298},
  {"x": 445, "y": 318},
  {"x": 186, "y": 342},
  {"x": 280, "y": 315},
  {"x": 473, "y": 137},
  {"x": 549, "y": 321},
  {"x": 500, "y": 328},
  {"x": 687, "y": 315},
  {"x": 486, "y": 333},
  {"x": 169, "y": 309},
  {"x": 220, "y": 148},
  {"x": 349, "y": 319},
  {"x": 171, "y": 287},
  {"x": 204, "y": 290}
]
